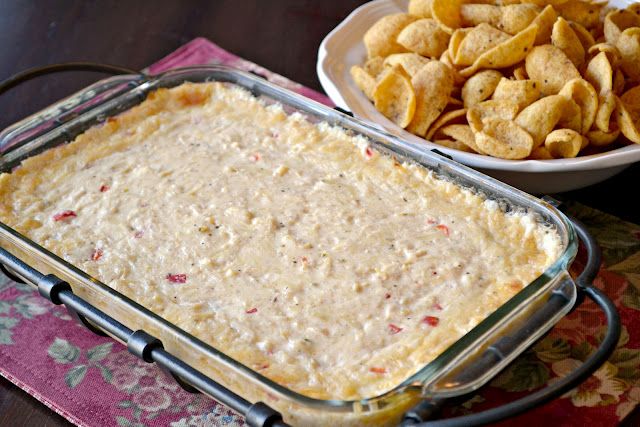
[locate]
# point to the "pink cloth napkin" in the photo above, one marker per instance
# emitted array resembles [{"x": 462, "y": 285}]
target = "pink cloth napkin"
[{"x": 93, "y": 381}]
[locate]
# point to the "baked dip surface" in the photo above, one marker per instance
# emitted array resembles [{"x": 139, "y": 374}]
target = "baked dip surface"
[{"x": 292, "y": 247}]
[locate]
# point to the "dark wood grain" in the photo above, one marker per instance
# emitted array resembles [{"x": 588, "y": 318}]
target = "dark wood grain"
[
  {"x": 281, "y": 35},
  {"x": 18, "y": 409}
]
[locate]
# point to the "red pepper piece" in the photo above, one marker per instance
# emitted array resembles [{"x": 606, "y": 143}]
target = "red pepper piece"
[
  {"x": 431, "y": 320},
  {"x": 393, "y": 329},
  {"x": 104, "y": 188},
  {"x": 97, "y": 254},
  {"x": 176, "y": 278},
  {"x": 376, "y": 370},
  {"x": 368, "y": 152},
  {"x": 60, "y": 216},
  {"x": 251, "y": 311},
  {"x": 255, "y": 157},
  {"x": 443, "y": 228},
  {"x": 387, "y": 296}
]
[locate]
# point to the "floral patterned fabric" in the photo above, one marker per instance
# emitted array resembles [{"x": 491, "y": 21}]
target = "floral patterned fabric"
[
  {"x": 93, "y": 381},
  {"x": 88, "y": 379}
]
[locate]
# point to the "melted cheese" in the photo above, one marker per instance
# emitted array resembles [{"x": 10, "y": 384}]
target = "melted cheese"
[{"x": 292, "y": 247}]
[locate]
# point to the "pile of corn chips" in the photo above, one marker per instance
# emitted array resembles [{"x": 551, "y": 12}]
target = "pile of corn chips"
[{"x": 528, "y": 79}]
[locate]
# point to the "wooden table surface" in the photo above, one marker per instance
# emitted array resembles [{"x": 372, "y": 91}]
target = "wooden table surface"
[{"x": 281, "y": 35}]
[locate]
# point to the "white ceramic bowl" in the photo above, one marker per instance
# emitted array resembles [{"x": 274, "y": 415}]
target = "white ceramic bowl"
[{"x": 343, "y": 48}]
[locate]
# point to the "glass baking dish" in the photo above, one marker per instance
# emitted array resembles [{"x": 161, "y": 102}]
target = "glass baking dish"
[{"x": 462, "y": 368}]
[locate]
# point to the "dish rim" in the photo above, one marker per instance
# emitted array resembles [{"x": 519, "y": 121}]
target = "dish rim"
[{"x": 137, "y": 90}]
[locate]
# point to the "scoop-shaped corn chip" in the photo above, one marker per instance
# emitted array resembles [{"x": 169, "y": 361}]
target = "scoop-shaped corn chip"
[
  {"x": 446, "y": 60},
  {"x": 585, "y": 37},
  {"x": 571, "y": 117},
  {"x": 424, "y": 37},
  {"x": 544, "y": 21},
  {"x": 606, "y": 105},
  {"x": 538, "y": 79},
  {"x": 564, "y": 38},
  {"x": 410, "y": 62},
  {"x": 394, "y": 97},
  {"x": 374, "y": 66},
  {"x": 474, "y": 14},
  {"x": 502, "y": 2},
  {"x": 455, "y": 102},
  {"x": 432, "y": 84},
  {"x": 540, "y": 153},
  {"x": 453, "y": 116},
  {"x": 598, "y": 138},
  {"x": 522, "y": 92},
  {"x": 504, "y": 139},
  {"x": 454, "y": 144},
  {"x": 479, "y": 40},
  {"x": 541, "y": 117},
  {"x": 421, "y": 8},
  {"x": 365, "y": 81},
  {"x": 631, "y": 100},
  {"x": 612, "y": 52},
  {"x": 517, "y": 17},
  {"x": 520, "y": 72},
  {"x": 563, "y": 143},
  {"x": 600, "y": 74},
  {"x": 628, "y": 122},
  {"x": 629, "y": 113},
  {"x": 545, "y": 2},
  {"x": 483, "y": 111},
  {"x": 585, "y": 142},
  {"x": 628, "y": 45},
  {"x": 511, "y": 18},
  {"x": 551, "y": 67},
  {"x": 456, "y": 38},
  {"x": 506, "y": 54},
  {"x": 447, "y": 13},
  {"x": 380, "y": 39},
  {"x": 461, "y": 133},
  {"x": 480, "y": 86},
  {"x": 583, "y": 94},
  {"x": 617, "y": 21},
  {"x": 584, "y": 13}
]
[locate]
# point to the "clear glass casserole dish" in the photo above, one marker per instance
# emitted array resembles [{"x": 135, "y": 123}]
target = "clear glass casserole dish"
[{"x": 509, "y": 328}]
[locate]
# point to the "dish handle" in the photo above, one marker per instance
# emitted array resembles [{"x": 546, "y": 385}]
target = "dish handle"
[
  {"x": 428, "y": 409},
  {"x": 30, "y": 128}
]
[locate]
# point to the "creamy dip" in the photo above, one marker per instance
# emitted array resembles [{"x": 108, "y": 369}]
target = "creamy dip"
[{"x": 291, "y": 246}]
